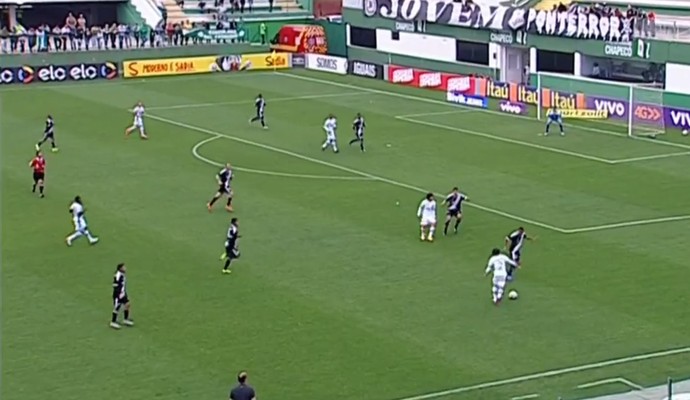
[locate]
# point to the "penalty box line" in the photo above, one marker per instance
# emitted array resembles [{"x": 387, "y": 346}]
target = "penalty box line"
[
  {"x": 416, "y": 188},
  {"x": 551, "y": 373}
]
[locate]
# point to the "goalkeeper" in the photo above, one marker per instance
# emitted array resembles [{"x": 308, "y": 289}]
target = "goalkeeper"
[{"x": 554, "y": 116}]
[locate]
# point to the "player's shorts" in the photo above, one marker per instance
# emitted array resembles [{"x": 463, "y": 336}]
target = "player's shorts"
[
  {"x": 222, "y": 189},
  {"x": 138, "y": 122},
  {"x": 232, "y": 252},
  {"x": 39, "y": 176},
  {"x": 499, "y": 281},
  {"x": 515, "y": 255},
  {"x": 119, "y": 302},
  {"x": 426, "y": 221},
  {"x": 259, "y": 114},
  {"x": 360, "y": 134},
  {"x": 456, "y": 213},
  {"x": 79, "y": 224}
]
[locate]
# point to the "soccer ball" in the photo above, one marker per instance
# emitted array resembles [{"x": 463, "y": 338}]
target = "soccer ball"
[
  {"x": 685, "y": 132},
  {"x": 513, "y": 295}
]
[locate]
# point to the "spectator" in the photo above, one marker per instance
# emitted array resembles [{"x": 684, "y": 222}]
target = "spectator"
[
  {"x": 651, "y": 24},
  {"x": 70, "y": 21},
  {"x": 5, "y": 40},
  {"x": 270, "y": 5}
]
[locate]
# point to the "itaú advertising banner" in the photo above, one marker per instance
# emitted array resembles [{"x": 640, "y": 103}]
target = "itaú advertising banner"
[{"x": 420, "y": 78}]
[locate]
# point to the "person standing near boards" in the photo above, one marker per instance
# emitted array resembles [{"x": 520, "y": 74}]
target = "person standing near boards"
[{"x": 242, "y": 391}]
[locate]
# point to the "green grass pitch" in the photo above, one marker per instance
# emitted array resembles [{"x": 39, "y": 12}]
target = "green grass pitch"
[{"x": 334, "y": 297}]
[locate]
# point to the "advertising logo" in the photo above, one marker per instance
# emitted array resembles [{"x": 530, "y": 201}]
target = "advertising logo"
[
  {"x": 368, "y": 70},
  {"x": 511, "y": 108},
  {"x": 298, "y": 60},
  {"x": 58, "y": 73},
  {"x": 430, "y": 80},
  {"x": 336, "y": 65},
  {"x": 472, "y": 101},
  {"x": 680, "y": 118},
  {"x": 618, "y": 49},
  {"x": 612, "y": 107},
  {"x": 327, "y": 63},
  {"x": 266, "y": 61},
  {"x": 461, "y": 84},
  {"x": 403, "y": 76},
  {"x": 583, "y": 114},
  {"x": 79, "y": 72},
  {"x": 647, "y": 113},
  {"x": 7, "y": 76}
]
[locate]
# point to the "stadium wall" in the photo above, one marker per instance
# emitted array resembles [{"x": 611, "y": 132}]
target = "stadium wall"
[{"x": 118, "y": 56}]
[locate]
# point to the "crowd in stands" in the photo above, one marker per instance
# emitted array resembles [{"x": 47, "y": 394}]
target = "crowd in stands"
[
  {"x": 643, "y": 21},
  {"x": 77, "y": 35},
  {"x": 222, "y": 7}
]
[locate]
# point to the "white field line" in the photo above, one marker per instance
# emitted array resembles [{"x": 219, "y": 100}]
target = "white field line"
[
  {"x": 439, "y": 102},
  {"x": 195, "y": 154},
  {"x": 351, "y": 171},
  {"x": 135, "y": 81},
  {"x": 508, "y": 140},
  {"x": 620, "y": 380},
  {"x": 525, "y": 397},
  {"x": 273, "y": 100},
  {"x": 628, "y": 224},
  {"x": 551, "y": 373},
  {"x": 459, "y": 110},
  {"x": 647, "y": 158}
]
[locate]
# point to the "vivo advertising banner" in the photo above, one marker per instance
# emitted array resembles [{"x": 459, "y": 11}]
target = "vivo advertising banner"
[
  {"x": 318, "y": 62},
  {"x": 642, "y": 113}
]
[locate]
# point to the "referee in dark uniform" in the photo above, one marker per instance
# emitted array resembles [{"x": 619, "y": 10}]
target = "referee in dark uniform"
[{"x": 242, "y": 391}]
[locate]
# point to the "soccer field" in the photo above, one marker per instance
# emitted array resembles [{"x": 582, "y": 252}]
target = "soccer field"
[{"x": 334, "y": 297}]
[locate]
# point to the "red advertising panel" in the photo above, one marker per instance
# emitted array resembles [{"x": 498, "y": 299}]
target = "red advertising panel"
[{"x": 420, "y": 78}]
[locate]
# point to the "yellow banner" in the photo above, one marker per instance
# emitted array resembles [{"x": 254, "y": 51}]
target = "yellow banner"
[
  {"x": 266, "y": 61},
  {"x": 169, "y": 66},
  {"x": 584, "y": 114}
]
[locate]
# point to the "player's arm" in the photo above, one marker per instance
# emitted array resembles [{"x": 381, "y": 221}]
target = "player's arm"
[
  {"x": 508, "y": 242},
  {"x": 420, "y": 209},
  {"x": 489, "y": 268},
  {"x": 509, "y": 261}
]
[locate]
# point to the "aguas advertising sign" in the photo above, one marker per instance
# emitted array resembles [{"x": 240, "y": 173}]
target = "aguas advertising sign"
[
  {"x": 365, "y": 69},
  {"x": 570, "y": 24}
]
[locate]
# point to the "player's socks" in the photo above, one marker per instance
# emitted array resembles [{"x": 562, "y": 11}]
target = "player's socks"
[
  {"x": 353, "y": 141},
  {"x": 445, "y": 227},
  {"x": 431, "y": 233},
  {"x": 33, "y": 189},
  {"x": 114, "y": 317},
  {"x": 38, "y": 146},
  {"x": 40, "y": 190},
  {"x": 72, "y": 237},
  {"x": 423, "y": 234},
  {"x": 457, "y": 225},
  {"x": 361, "y": 145},
  {"x": 212, "y": 202}
]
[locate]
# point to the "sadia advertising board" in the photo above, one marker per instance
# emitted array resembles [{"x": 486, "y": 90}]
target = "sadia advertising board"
[{"x": 58, "y": 73}]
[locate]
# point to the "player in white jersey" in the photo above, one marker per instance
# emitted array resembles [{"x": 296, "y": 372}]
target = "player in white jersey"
[
  {"x": 80, "y": 228},
  {"x": 427, "y": 216},
  {"x": 138, "y": 123},
  {"x": 498, "y": 265},
  {"x": 330, "y": 126}
]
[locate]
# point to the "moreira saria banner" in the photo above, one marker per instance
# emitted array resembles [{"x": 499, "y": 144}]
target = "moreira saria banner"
[{"x": 570, "y": 24}]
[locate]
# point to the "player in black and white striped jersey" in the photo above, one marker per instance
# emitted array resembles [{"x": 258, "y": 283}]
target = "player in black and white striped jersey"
[
  {"x": 260, "y": 104},
  {"x": 120, "y": 299},
  {"x": 224, "y": 178},
  {"x": 231, "y": 245},
  {"x": 48, "y": 135},
  {"x": 514, "y": 242},
  {"x": 454, "y": 202},
  {"x": 358, "y": 126}
]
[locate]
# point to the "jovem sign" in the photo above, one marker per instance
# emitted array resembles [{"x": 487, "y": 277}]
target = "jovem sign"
[{"x": 501, "y": 18}]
